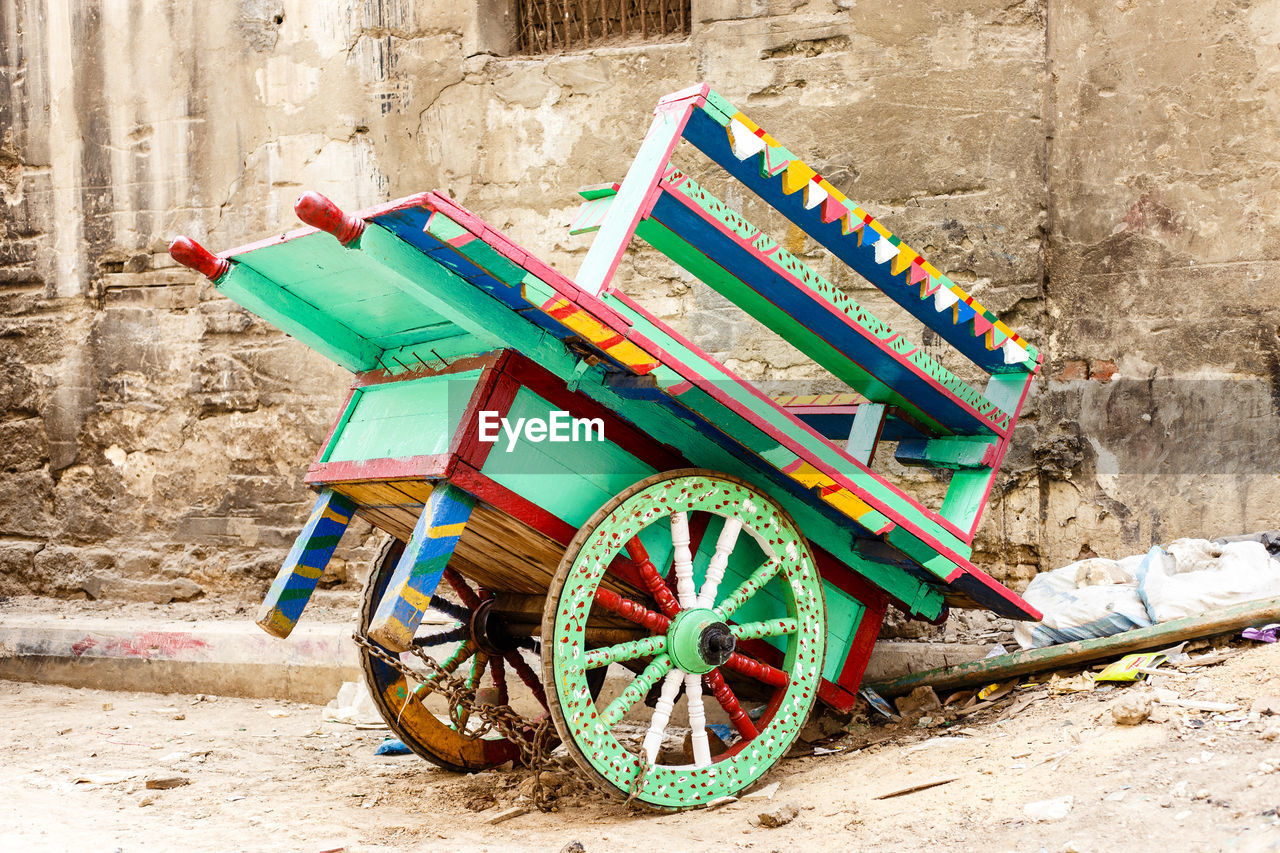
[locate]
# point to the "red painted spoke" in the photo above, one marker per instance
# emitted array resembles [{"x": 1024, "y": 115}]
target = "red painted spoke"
[
  {"x": 716, "y": 684},
  {"x": 459, "y": 585},
  {"x": 526, "y": 675},
  {"x": 657, "y": 586},
  {"x": 757, "y": 670},
  {"x": 499, "y": 675},
  {"x": 628, "y": 609}
]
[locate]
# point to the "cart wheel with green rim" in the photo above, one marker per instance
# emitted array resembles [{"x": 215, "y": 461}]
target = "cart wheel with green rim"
[{"x": 746, "y": 609}]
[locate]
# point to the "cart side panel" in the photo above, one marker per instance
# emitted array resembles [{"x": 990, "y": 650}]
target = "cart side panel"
[
  {"x": 571, "y": 479},
  {"x": 417, "y": 417}
]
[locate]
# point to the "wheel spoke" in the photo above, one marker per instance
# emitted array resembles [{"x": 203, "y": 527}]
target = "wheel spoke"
[
  {"x": 720, "y": 689},
  {"x": 748, "y": 588},
  {"x": 478, "y": 665},
  {"x": 682, "y": 560},
  {"x": 498, "y": 673},
  {"x": 768, "y": 628},
  {"x": 448, "y": 608},
  {"x": 715, "y": 569},
  {"x": 526, "y": 675},
  {"x": 649, "y": 574},
  {"x": 636, "y": 690},
  {"x": 628, "y": 609},
  {"x": 453, "y": 635},
  {"x": 460, "y": 655},
  {"x": 459, "y": 585},
  {"x": 755, "y": 669},
  {"x": 662, "y": 714},
  {"x": 697, "y": 720},
  {"x": 645, "y": 647}
]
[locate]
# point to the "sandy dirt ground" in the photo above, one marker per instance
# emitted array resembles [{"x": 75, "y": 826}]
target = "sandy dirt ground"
[{"x": 263, "y": 775}]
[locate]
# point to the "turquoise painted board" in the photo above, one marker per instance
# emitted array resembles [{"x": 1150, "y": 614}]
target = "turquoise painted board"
[
  {"x": 342, "y": 284},
  {"x": 568, "y": 479},
  {"x": 417, "y": 417}
]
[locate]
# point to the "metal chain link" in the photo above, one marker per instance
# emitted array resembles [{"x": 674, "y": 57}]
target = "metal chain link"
[{"x": 533, "y": 739}]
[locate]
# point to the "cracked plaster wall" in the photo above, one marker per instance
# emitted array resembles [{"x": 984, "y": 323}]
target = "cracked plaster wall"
[{"x": 1102, "y": 174}]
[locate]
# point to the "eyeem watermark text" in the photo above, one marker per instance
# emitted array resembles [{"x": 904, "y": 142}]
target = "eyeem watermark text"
[{"x": 560, "y": 426}]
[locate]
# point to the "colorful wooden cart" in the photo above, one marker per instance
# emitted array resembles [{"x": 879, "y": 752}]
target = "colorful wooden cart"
[{"x": 688, "y": 531}]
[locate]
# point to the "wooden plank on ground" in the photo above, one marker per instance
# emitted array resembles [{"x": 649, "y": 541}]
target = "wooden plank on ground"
[{"x": 1084, "y": 652}]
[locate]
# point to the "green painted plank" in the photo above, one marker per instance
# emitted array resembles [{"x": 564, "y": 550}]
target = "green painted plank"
[
  {"x": 755, "y": 439},
  {"x": 338, "y": 281},
  {"x": 569, "y": 479},
  {"x": 412, "y": 418},
  {"x": 966, "y": 496},
  {"x": 462, "y": 303},
  {"x": 844, "y": 615},
  {"x": 298, "y": 318}
]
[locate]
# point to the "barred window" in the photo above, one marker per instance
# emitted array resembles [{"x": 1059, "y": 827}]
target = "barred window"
[{"x": 546, "y": 26}]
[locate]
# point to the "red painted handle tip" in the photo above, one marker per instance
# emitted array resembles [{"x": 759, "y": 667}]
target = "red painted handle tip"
[
  {"x": 319, "y": 212},
  {"x": 191, "y": 254}
]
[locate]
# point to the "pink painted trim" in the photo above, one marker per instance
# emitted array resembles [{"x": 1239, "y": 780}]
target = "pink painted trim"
[
  {"x": 1001, "y": 449},
  {"x": 772, "y": 264},
  {"x": 998, "y": 588},
  {"x": 698, "y": 92},
  {"x": 677, "y": 134},
  {"x": 368, "y": 213},
  {"x": 404, "y": 468}
]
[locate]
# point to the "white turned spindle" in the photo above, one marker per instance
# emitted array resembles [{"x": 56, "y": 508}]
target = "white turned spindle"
[
  {"x": 683, "y": 559},
  {"x": 662, "y": 714},
  {"x": 697, "y": 720},
  {"x": 715, "y": 569}
]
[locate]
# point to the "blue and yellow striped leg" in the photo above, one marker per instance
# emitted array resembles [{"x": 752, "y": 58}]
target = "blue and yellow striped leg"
[
  {"x": 296, "y": 580},
  {"x": 418, "y": 573}
]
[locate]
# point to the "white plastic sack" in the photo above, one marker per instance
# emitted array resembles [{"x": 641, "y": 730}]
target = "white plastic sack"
[
  {"x": 1194, "y": 576},
  {"x": 1084, "y": 600},
  {"x": 353, "y": 706}
]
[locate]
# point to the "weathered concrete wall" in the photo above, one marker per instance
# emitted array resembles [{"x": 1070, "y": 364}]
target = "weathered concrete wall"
[{"x": 1103, "y": 176}]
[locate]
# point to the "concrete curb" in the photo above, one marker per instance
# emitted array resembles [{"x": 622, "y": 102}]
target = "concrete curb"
[
  {"x": 239, "y": 659},
  {"x": 221, "y": 658}
]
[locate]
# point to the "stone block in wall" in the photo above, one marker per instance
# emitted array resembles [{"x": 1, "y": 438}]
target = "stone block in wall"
[
  {"x": 60, "y": 570},
  {"x": 23, "y": 445},
  {"x": 130, "y": 589}
]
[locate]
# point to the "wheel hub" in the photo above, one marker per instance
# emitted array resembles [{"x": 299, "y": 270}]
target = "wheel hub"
[
  {"x": 489, "y": 633},
  {"x": 698, "y": 641}
]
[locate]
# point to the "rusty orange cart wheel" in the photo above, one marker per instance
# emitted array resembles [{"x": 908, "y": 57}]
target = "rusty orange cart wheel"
[{"x": 399, "y": 702}]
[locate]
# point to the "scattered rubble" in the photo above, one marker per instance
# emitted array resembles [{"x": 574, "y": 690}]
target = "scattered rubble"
[
  {"x": 781, "y": 816},
  {"x": 1131, "y": 709}
]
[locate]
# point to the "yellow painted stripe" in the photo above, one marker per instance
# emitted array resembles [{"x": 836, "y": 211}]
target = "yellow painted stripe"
[
  {"x": 848, "y": 503},
  {"x": 417, "y": 600},
  {"x": 796, "y": 177},
  {"x": 445, "y": 530},
  {"x": 902, "y": 261},
  {"x": 334, "y": 515},
  {"x": 309, "y": 572}
]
